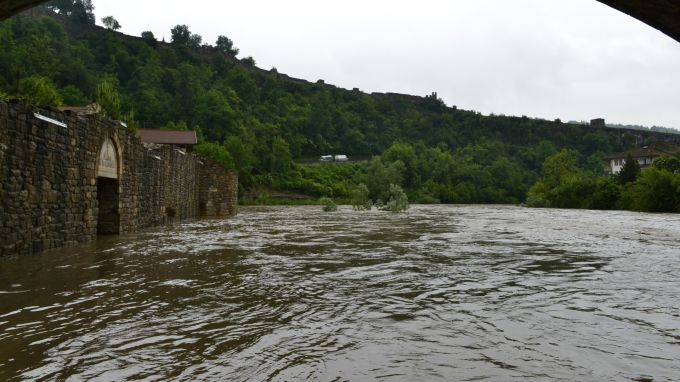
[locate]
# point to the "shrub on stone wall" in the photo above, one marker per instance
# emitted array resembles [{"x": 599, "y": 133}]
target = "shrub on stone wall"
[
  {"x": 109, "y": 99},
  {"x": 216, "y": 153},
  {"x": 39, "y": 91}
]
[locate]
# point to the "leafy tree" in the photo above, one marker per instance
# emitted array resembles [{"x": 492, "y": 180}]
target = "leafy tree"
[
  {"x": 149, "y": 38},
  {"x": 241, "y": 152},
  {"x": 213, "y": 108},
  {"x": 226, "y": 45},
  {"x": 398, "y": 201},
  {"x": 39, "y": 91},
  {"x": 537, "y": 195},
  {"x": 195, "y": 41},
  {"x": 248, "y": 61},
  {"x": 360, "y": 199},
  {"x": 405, "y": 153},
  {"x": 572, "y": 192},
  {"x": 108, "y": 99},
  {"x": 561, "y": 167},
  {"x": 73, "y": 96},
  {"x": 534, "y": 156},
  {"x": 629, "y": 171},
  {"x": 111, "y": 23},
  {"x": 379, "y": 176},
  {"x": 82, "y": 11},
  {"x": 607, "y": 194},
  {"x": 564, "y": 185},
  {"x": 182, "y": 37},
  {"x": 328, "y": 204},
  {"x": 216, "y": 153},
  {"x": 655, "y": 191},
  {"x": 282, "y": 161},
  {"x": 131, "y": 121},
  {"x": 176, "y": 126},
  {"x": 670, "y": 164}
]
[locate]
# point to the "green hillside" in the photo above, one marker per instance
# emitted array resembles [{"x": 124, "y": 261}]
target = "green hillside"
[{"x": 262, "y": 122}]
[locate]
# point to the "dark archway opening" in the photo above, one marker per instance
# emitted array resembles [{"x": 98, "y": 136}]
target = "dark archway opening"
[
  {"x": 108, "y": 217},
  {"x": 108, "y": 190}
]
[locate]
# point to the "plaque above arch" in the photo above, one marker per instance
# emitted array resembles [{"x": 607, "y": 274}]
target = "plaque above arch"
[{"x": 108, "y": 161}]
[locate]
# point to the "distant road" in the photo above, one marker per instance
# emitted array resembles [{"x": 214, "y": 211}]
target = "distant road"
[{"x": 317, "y": 161}]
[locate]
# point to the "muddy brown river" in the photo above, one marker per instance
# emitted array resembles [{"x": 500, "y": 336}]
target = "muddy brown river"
[{"x": 440, "y": 293}]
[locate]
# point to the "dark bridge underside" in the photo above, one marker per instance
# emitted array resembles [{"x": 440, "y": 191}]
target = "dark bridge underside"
[{"x": 663, "y": 15}]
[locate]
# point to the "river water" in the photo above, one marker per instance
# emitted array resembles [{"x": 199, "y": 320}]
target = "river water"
[{"x": 440, "y": 293}]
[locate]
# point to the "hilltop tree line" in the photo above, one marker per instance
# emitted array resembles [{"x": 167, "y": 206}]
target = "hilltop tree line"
[{"x": 260, "y": 122}]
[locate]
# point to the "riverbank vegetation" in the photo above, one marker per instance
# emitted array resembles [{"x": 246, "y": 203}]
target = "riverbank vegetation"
[
  {"x": 260, "y": 122},
  {"x": 567, "y": 185}
]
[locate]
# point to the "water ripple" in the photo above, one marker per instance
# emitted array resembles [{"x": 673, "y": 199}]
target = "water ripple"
[{"x": 291, "y": 293}]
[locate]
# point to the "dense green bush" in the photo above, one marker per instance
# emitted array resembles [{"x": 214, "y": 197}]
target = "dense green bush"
[
  {"x": 108, "y": 99},
  {"x": 216, "y": 153},
  {"x": 607, "y": 194},
  {"x": 360, "y": 199},
  {"x": 655, "y": 191},
  {"x": 629, "y": 171},
  {"x": 565, "y": 185},
  {"x": 398, "y": 201},
  {"x": 328, "y": 204},
  {"x": 572, "y": 192},
  {"x": 670, "y": 164},
  {"x": 39, "y": 91}
]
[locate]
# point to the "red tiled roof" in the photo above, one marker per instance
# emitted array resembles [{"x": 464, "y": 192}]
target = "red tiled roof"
[
  {"x": 636, "y": 153},
  {"x": 167, "y": 137},
  {"x": 657, "y": 149},
  {"x": 666, "y": 147}
]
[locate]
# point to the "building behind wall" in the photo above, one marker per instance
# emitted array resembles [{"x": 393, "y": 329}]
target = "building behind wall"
[
  {"x": 645, "y": 156},
  {"x": 599, "y": 122},
  {"x": 67, "y": 177},
  {"x": 183, "y": 139}
]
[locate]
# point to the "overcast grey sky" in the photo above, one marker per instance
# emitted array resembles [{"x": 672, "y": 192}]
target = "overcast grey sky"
[{"x": 568, "y": 59}]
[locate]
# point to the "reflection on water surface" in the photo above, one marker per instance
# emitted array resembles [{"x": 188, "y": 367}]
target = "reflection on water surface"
[{"x": 292, "y": 293}]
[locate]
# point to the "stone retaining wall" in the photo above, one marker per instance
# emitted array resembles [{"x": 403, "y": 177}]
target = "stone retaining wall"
[
  {"x": 49, "y": 195},
  {"x": 218, "y": 194}
]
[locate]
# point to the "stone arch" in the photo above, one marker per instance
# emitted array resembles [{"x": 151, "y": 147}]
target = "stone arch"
[
  {"x": 108, "y": 160},
  {"x": 109, "y": 172}
]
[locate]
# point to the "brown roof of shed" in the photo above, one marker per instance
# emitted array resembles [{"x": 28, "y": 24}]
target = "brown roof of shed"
[{"x": 167, "y": 137}]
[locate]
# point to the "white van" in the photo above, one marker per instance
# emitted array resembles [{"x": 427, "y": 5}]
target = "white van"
[{"x": 341, "y": 158}]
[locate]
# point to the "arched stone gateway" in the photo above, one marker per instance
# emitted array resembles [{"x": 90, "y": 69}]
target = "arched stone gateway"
[
  {"x": 108, "y": 189},
  {"x": 108, "y": 160},
  {"x": 105, "y": 181}
]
